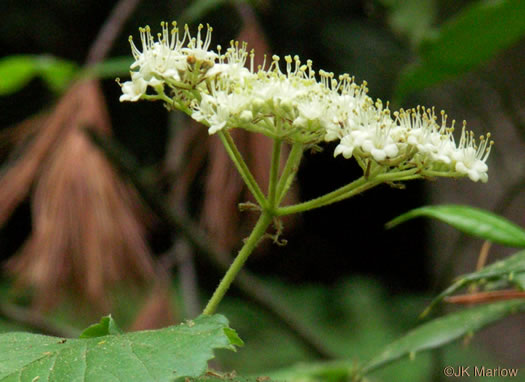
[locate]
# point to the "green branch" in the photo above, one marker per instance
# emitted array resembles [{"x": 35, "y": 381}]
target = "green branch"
[
  {"x": 349, "y": 190},
  {"x": 257, "y": 234},
  {"x": 290, "y": 170},
  {"x": 274, "y": 173},
  {"x": 248, "y": 284},
  {"x": 243, "y": 169}
]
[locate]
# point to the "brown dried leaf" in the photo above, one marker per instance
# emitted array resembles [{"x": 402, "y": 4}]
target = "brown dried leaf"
[{"x": 87, "y": 233}]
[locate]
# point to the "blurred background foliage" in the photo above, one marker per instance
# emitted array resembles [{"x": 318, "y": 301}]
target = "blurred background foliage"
[{"x": 348, "y": 280}]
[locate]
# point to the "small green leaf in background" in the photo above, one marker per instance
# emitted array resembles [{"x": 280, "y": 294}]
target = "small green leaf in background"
[
  {"x": 56, "y": 73},
  {"x": 443, "y": 330},
  {"x": 519, "y": 280},
  {"x": 17, "y": 71},
  {"x": 511, "y": 270},
  {"x": 463, "y": 43},
  {"x": 107, "y": 326},
  {"x": 153, "y": 355},
  {"x": 472, "y": 221},
  {"x": 411, "y": 18}
]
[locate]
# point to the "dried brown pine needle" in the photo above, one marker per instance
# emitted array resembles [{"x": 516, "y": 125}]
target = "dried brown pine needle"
[{"x": 87, "y": 232}]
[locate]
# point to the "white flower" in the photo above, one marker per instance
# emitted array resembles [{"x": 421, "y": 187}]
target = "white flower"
[
  {"x": 221, "y": 108},
  {"x": 230, "y": 72},
  {"x": 348, "y": 144},
  {"x": 344, "y": 102},
  {"x": 209, "y": 110},
  {"x": 198, "y": 48},
  {"x": 134, "y": 89},
  {"x": 470, "y": 159},
  {"x": 162, "y": 58},
  {"x": 231, "y": 66},
  {"x": 225, "y": 91}
]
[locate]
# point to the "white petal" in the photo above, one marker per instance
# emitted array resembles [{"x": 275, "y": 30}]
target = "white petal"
[{"x": 345, "y": 150}]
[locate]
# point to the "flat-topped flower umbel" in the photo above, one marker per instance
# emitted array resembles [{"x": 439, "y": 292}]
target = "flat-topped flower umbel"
[{"x": 223, "y": 90}]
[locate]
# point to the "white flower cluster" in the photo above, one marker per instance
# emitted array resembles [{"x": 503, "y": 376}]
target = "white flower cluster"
[{"x": 218, "y": 90}]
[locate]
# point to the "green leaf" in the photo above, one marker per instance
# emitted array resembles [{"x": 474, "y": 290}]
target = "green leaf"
[
  {"x": 107, "y": 326},
  {"x": 465, "y": 42},
  {"x": 473, "y": 221},
  {"x": 152, "y": 355},
  {"x": 15, "y": 73},
  {"x": 411, "y": 18},
  {"x": 511, "y": 269},
  {"x": 443, "y": 330},
  {"x": 519, "y": 280},
  {"x": 57, "y": 73},
  {"x": 233, "y": 337}
]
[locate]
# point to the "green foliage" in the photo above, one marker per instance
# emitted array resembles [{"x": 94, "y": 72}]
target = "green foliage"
[
  {"x": 17, "y": 71},
  {"x": 443, "y": 330},
  {"x": 157, "y": 355},
  {"x": 106, "y": 327},
  {"x": 411, "y": 18},
  {"x": 511, "y": 270},
  {"x": 473, "y": 221},
  {"x": 354, "y": 319},
  {"x": 463, "y": 43}
]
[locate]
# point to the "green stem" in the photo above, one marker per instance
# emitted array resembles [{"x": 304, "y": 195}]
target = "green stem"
[
  {"x": 289, "y": 171},
  {"x": 321, "y": 200},
  {"x": 274, "y": 173},
  {"x": 257, "y": 234},
  {"x": 351, "y": 189},
  {"x": 243, "y": 169},
  {"x": 355, "y": 191}
]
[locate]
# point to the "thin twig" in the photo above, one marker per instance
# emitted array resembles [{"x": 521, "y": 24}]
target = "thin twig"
[
  {"x": 34, "y": 320},
  {"x": 485, "y": 297},
  {"x": 483, "y": 255},
  {"x": 110, "y": 30},
  {"x": 247, "y": 283}
]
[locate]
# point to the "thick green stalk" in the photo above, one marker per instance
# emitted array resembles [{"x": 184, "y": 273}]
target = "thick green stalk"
[
  {"x": 243, "y": 169},
  {"x": 257, "y": 234}
]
